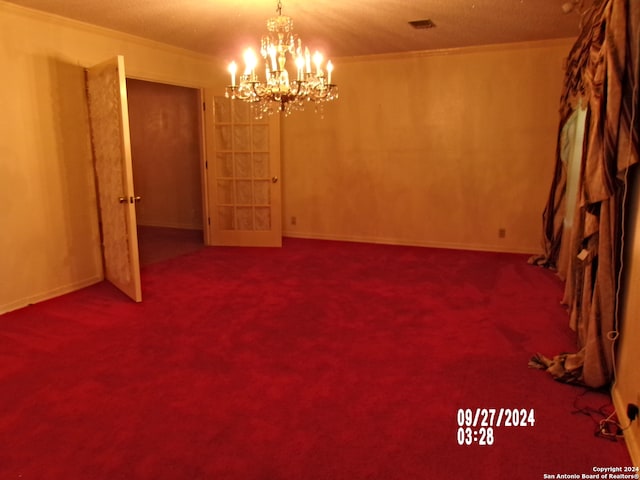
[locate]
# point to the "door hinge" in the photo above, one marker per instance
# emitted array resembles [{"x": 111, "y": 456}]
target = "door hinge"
[
  {"x": 206, "y": 164},
  {"x": 204, "y": 106},
  {"x": 209, "y": 220}
]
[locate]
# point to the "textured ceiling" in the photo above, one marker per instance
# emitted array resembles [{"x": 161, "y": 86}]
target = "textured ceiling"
[{"x": 339, "y": 28}]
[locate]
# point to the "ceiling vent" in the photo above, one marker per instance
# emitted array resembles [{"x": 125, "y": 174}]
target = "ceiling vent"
[{"x": 422, "y": 24}]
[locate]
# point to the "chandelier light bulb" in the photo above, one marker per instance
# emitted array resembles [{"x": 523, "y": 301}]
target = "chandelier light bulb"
[
  {"x": 250, "y": 61},
  {"x": 233, "y": 68},
  {"x": 317, "y": 60},
  {"x": 272, "y": 55},
  {"x": 300, "y": 67},
  {"x": 307, "y": 59}
]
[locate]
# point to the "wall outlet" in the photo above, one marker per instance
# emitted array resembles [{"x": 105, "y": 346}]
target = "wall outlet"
[
  {"x": 502, "y": 232},
  {"x": 294, "y": 220}
]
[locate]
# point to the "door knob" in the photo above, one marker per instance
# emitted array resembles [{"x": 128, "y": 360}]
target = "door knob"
[
  {"x": 274, "y": 179},
  {"x": 137, "y": 199},
  {"x": 122, "y": 199}
]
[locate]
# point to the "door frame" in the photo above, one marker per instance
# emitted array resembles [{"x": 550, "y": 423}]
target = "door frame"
[
  {"x": 204, "y": 167},
  {"x": 202, "y": 143},
  {"x": 205, "y": 135}
]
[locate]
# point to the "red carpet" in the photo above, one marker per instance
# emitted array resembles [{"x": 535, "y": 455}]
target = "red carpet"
[{"x": 320, "y": 360}]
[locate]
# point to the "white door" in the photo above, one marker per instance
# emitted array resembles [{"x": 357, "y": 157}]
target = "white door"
[
  {"x": 109, "y": 118},
  {"x": 243, "y": 175}
]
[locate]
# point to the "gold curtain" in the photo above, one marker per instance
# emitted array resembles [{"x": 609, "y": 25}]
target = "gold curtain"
[{"x": 602, "y": 72}]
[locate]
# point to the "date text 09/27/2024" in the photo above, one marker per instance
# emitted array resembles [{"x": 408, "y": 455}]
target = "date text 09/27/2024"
[
  {"x": 476, "y": 426},
  {"x": 496, "y": 417}
]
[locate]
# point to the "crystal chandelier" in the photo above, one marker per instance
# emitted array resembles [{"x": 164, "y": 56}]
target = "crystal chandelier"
[{"x": 282, "y": 91}]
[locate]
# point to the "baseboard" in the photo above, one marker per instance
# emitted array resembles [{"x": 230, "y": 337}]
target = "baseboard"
[
  {"x": 49, "y": 294},
  {"x": 180, "y": 226},
  {"x": 403, "y": 242},
  {"x": 631, "y": 437}
]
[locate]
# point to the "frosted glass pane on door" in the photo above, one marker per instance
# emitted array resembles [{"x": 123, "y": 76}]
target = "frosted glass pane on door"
[
  {"x": 222, "y": 110},
  {"x": 262, "y": 191},
  {"x": 261, "y": 165},
  {"x": 241, "y": 112},
  {"x": 243, "y": 165},
  {"x": 263, "y": 218},
  {"x": 223, "y": 137},
  {"x": 225, "y": 192},
  {"x": 244, "y": 217},
  {"x": 225, "y": 218},
  {"x": 224, "y": 164},
  {"x": 242, "y": 138},
  {"x": 245, "y": 192},
  {"x": 261, "y": 138}
]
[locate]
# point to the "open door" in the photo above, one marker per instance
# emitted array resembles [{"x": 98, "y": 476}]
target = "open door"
[
  {"x": 244, "y": 204},
  {"x": 109, "y": 119}
]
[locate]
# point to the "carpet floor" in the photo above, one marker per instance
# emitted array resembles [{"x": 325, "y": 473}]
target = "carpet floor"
[{"x": 319, "y": 360}]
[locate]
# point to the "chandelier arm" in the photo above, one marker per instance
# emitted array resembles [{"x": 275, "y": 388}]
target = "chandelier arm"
[
  {"x": 296, "y": 91},
  {"x": 254, "y": 90}
]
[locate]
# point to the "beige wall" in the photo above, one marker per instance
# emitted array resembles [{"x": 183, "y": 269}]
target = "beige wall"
[
  {"x": 627, "y": 388},
  {"x": 164, "y": 121},
  {"x": 441, "y": 149},
  {"x": 448, "y": 148},
  {"x": 49, "y": 239}
]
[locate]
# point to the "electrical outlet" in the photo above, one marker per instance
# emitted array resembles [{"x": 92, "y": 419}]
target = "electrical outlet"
[
  {"x": 502, "y": 232},
  {"x": 294, "y": 220}
]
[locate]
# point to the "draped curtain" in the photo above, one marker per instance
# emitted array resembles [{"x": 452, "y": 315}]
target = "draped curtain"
[{"x": 601, "y": 73}]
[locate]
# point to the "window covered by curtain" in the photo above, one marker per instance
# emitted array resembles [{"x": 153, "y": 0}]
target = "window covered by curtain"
[{"x": 602, "y": 74}]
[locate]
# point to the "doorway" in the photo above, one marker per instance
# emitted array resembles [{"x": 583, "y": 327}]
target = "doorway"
[{"x": 165, "y": 123}]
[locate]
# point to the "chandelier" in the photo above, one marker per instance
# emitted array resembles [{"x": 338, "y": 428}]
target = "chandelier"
[{"x": 282, "y": 91}]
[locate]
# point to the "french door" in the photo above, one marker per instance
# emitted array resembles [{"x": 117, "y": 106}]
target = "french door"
[
  {"x": 111, "y": 144},
  {"x": 243, "y": 175}
]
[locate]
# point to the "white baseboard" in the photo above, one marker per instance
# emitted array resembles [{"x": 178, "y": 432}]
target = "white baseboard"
[
  {"x": 403, "y": 242},
  {"x": 56, "y": 292},
  {"x": 180, "y": 226}
]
